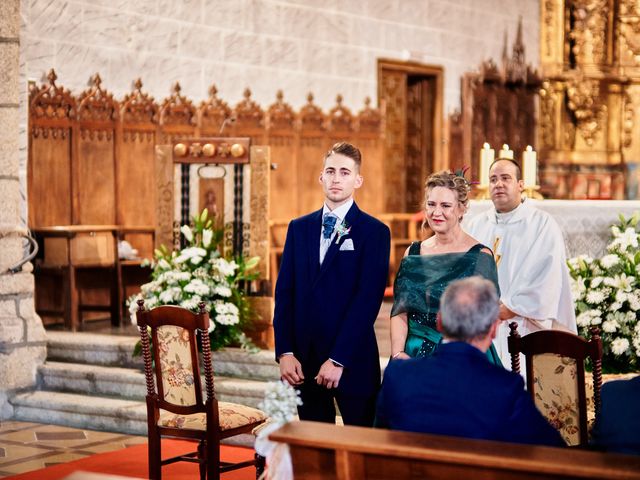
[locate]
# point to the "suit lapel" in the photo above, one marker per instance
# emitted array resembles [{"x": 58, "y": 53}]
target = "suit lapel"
[
  {"x": 313, "y": 242},
  {"x": 350, "y": 219}
]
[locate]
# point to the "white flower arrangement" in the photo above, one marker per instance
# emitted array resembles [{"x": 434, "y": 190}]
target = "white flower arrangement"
[
  {"x": 198, "y": 273},
  {"x": 280, "y": 403},
  {"x": 606, "y": 292}
]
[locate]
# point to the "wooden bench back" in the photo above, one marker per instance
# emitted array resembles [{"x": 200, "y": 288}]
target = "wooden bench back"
[{"x": 348, "y": 453}]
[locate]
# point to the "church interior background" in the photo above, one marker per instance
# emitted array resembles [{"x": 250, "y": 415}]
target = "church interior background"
[{"x": 99, "y": 98}]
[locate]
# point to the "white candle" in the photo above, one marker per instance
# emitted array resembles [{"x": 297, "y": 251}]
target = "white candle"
[
  {"x": 486, "y": 159},
  {"x": 505, "y": 152},
  {"x": 529, "y": 167}
]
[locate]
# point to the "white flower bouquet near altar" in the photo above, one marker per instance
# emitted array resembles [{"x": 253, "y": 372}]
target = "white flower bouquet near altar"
[
  {"x": 606, "y": 292},
  {"x": 198, "y": 273},
  {"x": 280, "y": 404}
]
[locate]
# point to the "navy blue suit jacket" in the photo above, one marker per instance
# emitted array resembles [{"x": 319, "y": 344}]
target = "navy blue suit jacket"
[
  {"x": 458, "y": 392},
  {"x": 618, "y": 426},
  {"x": 328, "y": 311}
]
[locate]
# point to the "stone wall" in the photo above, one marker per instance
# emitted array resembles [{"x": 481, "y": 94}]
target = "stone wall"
[
  {"x": 22, "y": 341},
  {"x": 328, "y": 46}
]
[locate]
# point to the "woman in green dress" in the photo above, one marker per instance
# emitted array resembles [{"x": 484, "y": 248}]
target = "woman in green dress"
[{"x": 429, "y": 266}]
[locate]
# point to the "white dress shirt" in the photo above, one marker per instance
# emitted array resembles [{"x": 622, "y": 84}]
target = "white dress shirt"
[{"x": 339, "y": 213}]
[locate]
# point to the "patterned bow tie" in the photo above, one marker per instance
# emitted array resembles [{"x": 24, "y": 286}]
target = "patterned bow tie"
[{"x": 328, "y": 224}]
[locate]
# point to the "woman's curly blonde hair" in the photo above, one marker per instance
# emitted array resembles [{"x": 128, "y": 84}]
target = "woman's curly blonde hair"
[{"x": 457, "y": 183}]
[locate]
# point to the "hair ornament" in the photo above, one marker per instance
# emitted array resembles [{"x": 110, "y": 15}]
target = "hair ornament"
[{"x": 461, "y": 173}]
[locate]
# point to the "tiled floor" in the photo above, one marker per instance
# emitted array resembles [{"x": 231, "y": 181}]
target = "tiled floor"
[{"x": 31, "y": 446}]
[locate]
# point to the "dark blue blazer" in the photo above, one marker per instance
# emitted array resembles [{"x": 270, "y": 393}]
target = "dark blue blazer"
[
  {"x": 458, "y": 392},
  {"x": 328, "y": 311},
  {"x": 617, "y": 428}
]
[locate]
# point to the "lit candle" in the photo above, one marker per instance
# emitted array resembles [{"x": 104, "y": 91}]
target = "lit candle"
[
  {"x": 505, "y": 152},
  {"x": 529, "y": 167},
  {"x": 486, "y": 159}
]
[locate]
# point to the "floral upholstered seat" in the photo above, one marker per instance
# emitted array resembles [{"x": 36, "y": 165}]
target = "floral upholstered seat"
[
  {"x": 556, "y": 393},
  {"x": 232, "y": 415}
]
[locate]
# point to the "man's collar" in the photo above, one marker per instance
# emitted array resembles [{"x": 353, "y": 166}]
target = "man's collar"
[
  {"x": 340, "y": 211},
  {"x": 514, "y": 215}
]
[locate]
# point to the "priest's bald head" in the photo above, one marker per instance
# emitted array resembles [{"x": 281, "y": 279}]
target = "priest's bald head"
[{"x": 505, "y": 184}]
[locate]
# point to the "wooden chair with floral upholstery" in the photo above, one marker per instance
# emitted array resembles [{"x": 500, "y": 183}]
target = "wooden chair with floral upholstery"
[
  {"x": 175, "y": 404},
  {"x": 555, "y": 363}
]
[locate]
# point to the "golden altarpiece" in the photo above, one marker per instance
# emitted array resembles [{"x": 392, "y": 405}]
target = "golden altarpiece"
[{"x": 590, "y": 98}]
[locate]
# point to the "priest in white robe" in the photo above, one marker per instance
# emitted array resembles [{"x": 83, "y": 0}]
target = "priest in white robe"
[{"x": 530, "y": 254}]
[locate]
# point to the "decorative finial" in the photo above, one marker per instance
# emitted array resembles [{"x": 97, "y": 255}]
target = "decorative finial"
[
  {"x": 247, "y": 93},
  {"x": 95, "y": 80},
  {"x": 279, "y": 96},
  {"x": 52, "y": 77},
  {"x": 367, "y": 102},
  {"x": 310, "y": 98},
  {"x": 213, "y": 90},
  {"x": 177, "y": 88},
  {"x": 137, "y": 84},
  {"x": 339, "y": 99}
]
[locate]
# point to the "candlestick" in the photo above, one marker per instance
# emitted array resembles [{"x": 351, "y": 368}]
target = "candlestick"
[
  {"x": 486, "y": 159},
  {"x": 505, "y": 152},
  {"x": 529, "y": 167}
]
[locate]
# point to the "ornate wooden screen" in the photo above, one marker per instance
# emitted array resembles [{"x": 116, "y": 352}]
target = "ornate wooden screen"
[
  {"x": 499, "y": 105},
  {"x": 99, "y": 153}
]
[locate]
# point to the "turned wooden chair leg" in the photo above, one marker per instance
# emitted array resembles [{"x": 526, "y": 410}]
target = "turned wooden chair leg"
[{"x": 260, "y": 464}]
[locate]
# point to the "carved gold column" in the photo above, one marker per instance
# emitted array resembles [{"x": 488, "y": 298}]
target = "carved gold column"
[{"x": 590, "y": 54}]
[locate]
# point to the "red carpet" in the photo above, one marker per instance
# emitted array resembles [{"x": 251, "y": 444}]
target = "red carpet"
[{"x": 132, "y": 462}]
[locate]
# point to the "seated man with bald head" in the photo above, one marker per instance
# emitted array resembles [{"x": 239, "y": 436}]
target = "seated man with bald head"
[{"x": 457, "y": 391}]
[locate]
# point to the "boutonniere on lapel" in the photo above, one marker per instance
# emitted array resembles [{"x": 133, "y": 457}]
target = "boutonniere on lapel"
[{"x": 342, "y": 230}]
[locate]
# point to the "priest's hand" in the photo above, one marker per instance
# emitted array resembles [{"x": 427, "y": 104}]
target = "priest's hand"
[
  {"x": 291, "y": 370},
  {"x": 505, "y": 313},
  {"x": 329, "y": 374}
]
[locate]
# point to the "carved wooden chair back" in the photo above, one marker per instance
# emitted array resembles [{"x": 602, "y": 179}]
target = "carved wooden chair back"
[
  {"x": 555, "y": 367},
  {"x": 176, "y": 406}
]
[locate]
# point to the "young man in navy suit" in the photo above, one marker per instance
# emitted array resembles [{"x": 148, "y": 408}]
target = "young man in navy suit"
[
  {"x": 328, "y": 295},
  {"x": 457, "y": 391}
]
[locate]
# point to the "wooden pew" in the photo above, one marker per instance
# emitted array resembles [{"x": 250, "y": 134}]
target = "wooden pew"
[{"x": 325, "y": 451}]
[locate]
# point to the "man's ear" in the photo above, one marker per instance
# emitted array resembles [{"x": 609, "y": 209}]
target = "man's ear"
[
  {"x": 320, "y": 178},
  {"x": 493, "y": 330},
  {"x": 521, "y": 185}
]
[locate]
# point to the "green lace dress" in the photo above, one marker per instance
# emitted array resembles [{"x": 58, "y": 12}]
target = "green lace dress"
[{"x": 420, "y": 282}]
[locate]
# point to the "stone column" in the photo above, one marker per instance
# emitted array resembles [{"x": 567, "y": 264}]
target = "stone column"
[{"x": 22, "y": 337}]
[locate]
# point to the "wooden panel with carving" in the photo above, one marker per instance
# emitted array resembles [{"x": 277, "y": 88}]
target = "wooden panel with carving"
[
  {"x": 135, "y": 173},
  {"x": 283, "y": 143},
  {"x": 94, "y": 166},
  {"x": 52, "y": 110},
  {"x": 408, "y": 154},
  {"x": 392, "y": 92},
  {"x": 370, "y": 141},
  {"x": 313, "y": 146},
  {"x": 249, "y": 120}
]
